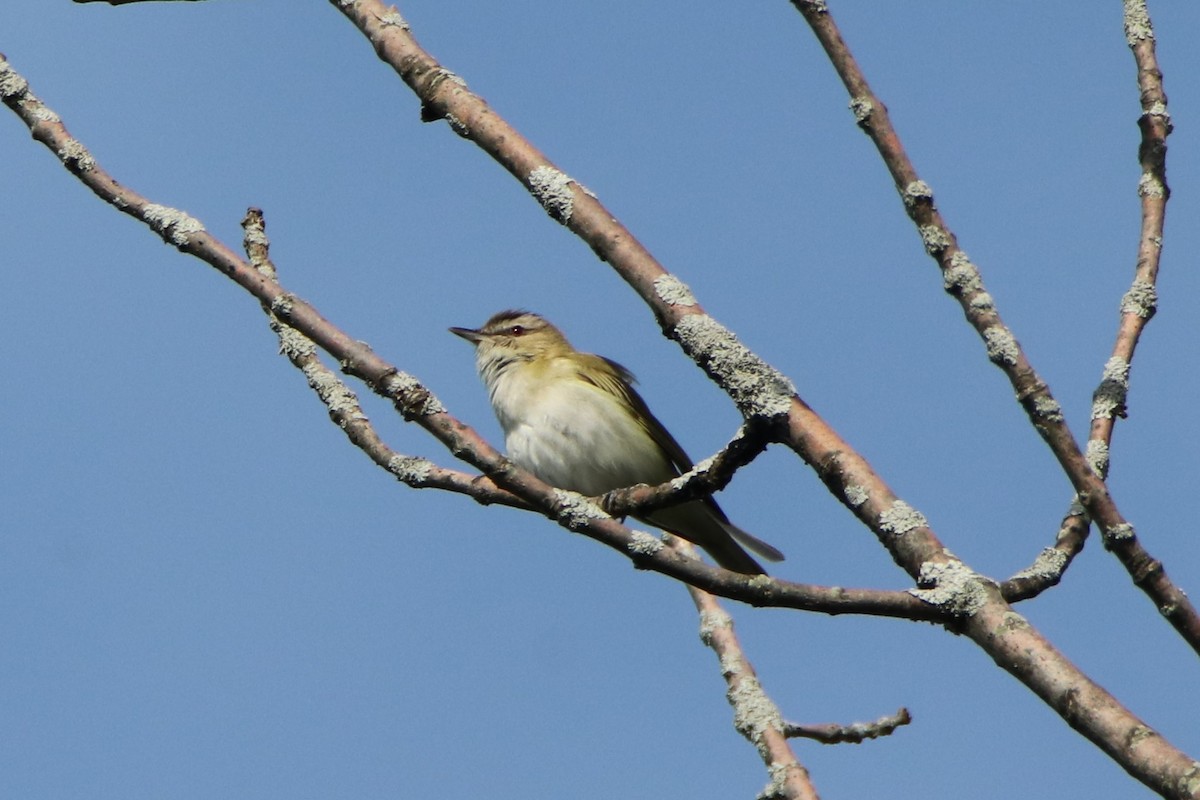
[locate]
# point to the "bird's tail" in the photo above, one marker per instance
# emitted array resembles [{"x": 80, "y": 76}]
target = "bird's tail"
[
  {"x": 705, "y": 525},
  {"x": 754, "y": 544}
]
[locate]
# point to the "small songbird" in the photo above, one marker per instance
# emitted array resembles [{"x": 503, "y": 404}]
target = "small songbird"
[{"x": 574, "y": 420}]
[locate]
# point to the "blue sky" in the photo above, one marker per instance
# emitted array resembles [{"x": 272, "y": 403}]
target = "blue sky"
[{"x": 206, "y": 592}]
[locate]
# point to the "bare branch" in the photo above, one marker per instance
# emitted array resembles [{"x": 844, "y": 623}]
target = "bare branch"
[
  {"x": 710, "y": 475},
  {"x": 963, "y": 281},
  {"x": 1137, "y": 308},
  {"x": 761, "y": 392},
  {"x": 854, "y": 733},
  {"x": 416, "y": 403},
  {"x": 343, "y": 406},
  {"x": 130, "y": 2},
  {"x": 1050, "y": 565},
  {"x": 952, "y": 592},
  {"x": 755, "y": 715}
]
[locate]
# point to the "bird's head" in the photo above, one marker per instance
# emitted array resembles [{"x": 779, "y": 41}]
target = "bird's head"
[{"x": 512, "y": 337}]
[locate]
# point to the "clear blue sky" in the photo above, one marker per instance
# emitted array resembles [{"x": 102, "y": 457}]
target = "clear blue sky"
[{"x": 206, "y": 592}]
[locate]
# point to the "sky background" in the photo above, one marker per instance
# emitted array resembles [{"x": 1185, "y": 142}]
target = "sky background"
[{"x": 206, "y": 592}]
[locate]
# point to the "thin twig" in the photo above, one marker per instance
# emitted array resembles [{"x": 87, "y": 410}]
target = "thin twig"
[
  {"x": 1137, "y": 308},
  {"x": 710, "y": 475},
  {"x": 130, "y": 2},
  {"x": 854, "y": 733},
  {"x": 343, "y": 406}
]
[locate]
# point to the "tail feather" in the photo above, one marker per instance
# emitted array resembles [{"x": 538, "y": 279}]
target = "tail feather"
[
  {"x": 755, "y": 544},
  {"x": 706, "y": 526},
  {"x": 730, "y": 555}
]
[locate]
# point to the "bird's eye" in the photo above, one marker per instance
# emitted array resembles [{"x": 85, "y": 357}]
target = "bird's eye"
[{"x": 517, "y": 330}]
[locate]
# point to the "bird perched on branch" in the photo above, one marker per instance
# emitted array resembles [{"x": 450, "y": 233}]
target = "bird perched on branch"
[{"x": 574, "y": 420}]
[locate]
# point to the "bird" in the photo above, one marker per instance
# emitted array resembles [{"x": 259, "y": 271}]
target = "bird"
[{"x": 575, "y": 421}]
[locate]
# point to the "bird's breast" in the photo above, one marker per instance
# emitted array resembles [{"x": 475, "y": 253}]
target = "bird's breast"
[{"x": 574, "y": 435}]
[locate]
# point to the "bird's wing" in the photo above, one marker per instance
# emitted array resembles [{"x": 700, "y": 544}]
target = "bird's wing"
[{"x": 611, "y": 377}]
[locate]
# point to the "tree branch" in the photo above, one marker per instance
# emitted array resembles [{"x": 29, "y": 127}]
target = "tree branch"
[
  {"x": 343, "y": 406},
  {"x": 760, "y": 391},
  {"x": 417, "y": 404},
  {"x": 958, "y": 596},
  {"x": 755, "y": 715},
  {"x": 1137, "y": 308},
  {"x": 854, "y": 733},
  {"x": 710, "y": 475},
  {"x": 963, "y": 281},
  {"x": 130, "y": 2}
]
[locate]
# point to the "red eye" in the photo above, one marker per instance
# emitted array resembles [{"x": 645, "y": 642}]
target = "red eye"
[{"x": 516, "y": 330}]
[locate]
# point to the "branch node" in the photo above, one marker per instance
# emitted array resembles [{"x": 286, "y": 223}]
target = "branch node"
[{"x": 953, "y": 587}]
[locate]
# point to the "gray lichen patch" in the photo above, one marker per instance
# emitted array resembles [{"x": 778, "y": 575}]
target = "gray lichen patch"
[
  {"x": 753, "y": 712},
  {"x": 673, "y": 291},
  {"x": 953, "y": 587},
  {"x": 576, "y": 511},
  {"x": 962, "y": 276},
  {"x": 552, "y": 189},
  {"x": 712, "y": 621},
  {"x": 417, "y": 399},
  {"x": 643, "y": 543},
  {"x": 935, "y": 238},
  {"x": 1047, "y": 409},
  {"x": 1001, "y": 346},
  {"x": 173, "y": 225},
  {"x": 917, "y": 192},
  {"x": 1050, "y": 563},
  {"x": 410, "y": 469},
  {"x": 1141, "y": 299},
  {"x": 1097, "y": 456},
  {"x": 1137, "y": 22},
  {"x": 758, "y": 389},
  {"x": 900, "y": 518},
  {"x": 861, "y": 107}
]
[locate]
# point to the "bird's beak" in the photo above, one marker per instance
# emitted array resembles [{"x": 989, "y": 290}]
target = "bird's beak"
[{"x": 470, "y": 334}]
